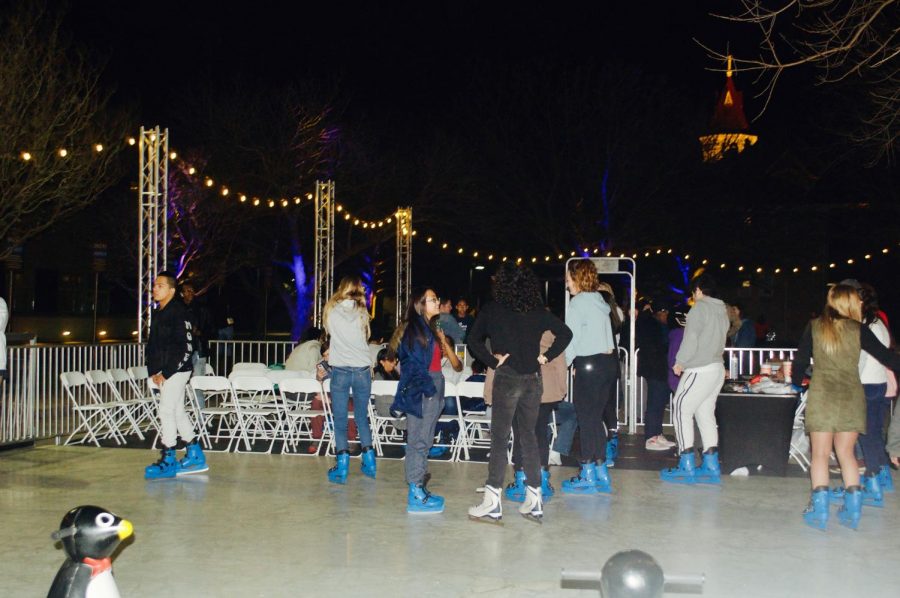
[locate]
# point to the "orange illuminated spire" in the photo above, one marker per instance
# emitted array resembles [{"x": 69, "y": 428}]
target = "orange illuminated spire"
[{"x": 728, "y": 126}]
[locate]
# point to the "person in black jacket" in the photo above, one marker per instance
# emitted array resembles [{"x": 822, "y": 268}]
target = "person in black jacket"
[
  {"x": 169, "y": 351},
  {"x": 515, "y": 322},
  {"x": 651, "y": 336}
]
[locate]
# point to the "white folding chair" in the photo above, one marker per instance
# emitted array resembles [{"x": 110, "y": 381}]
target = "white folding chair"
[
  {"x": 277, "y": 376},
  {"x": 257, "y": 408},
  {"x": 248, "y": 368},
  {"x": 94, "y": 418},
  {"x": 144, "y": 410},
  {"x": 104, "y": 392},
  {"x": 297, "y": 395},
  {"x": 219, "y": 405},
  {"x": 383, "y": 424},
  {"x": 476, "y": 424},
  {"x": 450, "y": 390},
  {"x": 797, "y": 452}
]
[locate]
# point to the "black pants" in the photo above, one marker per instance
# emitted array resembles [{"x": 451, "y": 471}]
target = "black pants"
[
  {"x": 657, "y": 399},
  {"x": 516, "y": 401},
  {"x": 594, "y": 374},
  {"x": 610, "y": 412},
  {"x": 542, "y": 434}
]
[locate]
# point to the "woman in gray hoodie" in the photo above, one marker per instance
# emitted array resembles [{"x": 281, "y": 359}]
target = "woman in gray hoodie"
[
  {"x": 702, "y": 373},
  {"x": 346, "y": 320}
]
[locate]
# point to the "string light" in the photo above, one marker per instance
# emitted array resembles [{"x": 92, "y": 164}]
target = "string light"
[
  {"x": 62, "y": 152},
  {"x": 99, "y": 147},
  {"x": 26, "y": 156}
]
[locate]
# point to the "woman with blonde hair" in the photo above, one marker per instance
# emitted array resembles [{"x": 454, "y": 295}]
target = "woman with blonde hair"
[
  {"x": 346, "y": 320},
  {"x": 836, "y": 403},
  {"x": 592, "y": 355}
]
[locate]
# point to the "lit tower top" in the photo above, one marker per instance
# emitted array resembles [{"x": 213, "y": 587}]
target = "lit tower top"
[{"x": 729, "y": 128}]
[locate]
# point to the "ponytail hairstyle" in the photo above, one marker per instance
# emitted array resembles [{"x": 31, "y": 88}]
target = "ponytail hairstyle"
[
  {"x": 351, "y": 287},
  {"x": 842, "y": 306},
  {"x": 869, "y": 308}
]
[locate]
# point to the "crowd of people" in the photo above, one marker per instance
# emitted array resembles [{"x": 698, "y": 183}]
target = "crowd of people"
[{"x": 528, "y": 353}]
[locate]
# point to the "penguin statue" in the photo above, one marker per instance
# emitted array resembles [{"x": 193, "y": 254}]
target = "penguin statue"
[{"x": 89, "y": 536}]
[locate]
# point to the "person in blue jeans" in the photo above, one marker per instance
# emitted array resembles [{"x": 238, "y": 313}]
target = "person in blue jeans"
[{"x": 346, "y": 320}]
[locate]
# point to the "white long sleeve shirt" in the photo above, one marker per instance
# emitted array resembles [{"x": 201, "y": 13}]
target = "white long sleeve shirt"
[{"x": 870, "y": 369}]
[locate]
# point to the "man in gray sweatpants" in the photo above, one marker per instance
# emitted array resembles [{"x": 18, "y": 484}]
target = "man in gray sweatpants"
[{"x": 699, "y": 364}]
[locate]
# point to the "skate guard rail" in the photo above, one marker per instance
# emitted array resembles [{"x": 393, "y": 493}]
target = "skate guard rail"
[{"x": 33, "y": 405}]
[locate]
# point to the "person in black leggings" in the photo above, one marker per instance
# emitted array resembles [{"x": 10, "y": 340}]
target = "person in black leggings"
[{"x": 594, "y": 369}]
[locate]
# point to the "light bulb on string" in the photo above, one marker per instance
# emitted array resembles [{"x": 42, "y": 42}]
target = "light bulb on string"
[
  {"x": 192, "y": 170},
  {"x": 63, "y": 152},
  {"x": 98, "y": 147},
  {"x": 26, "y": 156},
  {"x": 132, "y": 141}
]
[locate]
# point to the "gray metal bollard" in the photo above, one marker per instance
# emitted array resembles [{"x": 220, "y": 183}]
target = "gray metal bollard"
[{"x": 636, "y": 574}]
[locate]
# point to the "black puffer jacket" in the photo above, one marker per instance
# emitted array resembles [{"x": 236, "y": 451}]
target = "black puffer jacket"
[{"x": 170, "y": 345}]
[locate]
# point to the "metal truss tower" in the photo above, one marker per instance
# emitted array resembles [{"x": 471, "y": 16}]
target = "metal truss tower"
[
  {"x": 153, "y": 198},
  {"x": 324, "y": 271},
  {"x": 404, "y": 259}
]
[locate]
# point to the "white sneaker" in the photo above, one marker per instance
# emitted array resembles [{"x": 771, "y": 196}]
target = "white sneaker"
[
  {"x": 654, "y": 444},
  {"x": 555, "y": 458},
  {"x": 666, "y": 441}
]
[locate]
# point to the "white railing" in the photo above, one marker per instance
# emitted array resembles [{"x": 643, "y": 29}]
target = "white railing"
[
  {"x": 738, "y": 362},
  {"x": 33, "y": 404},
  {"x": 224, "y": 354}
]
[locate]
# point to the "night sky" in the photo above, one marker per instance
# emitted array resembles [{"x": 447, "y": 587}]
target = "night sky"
[
  {"x": 402, "y": 70},
  {"x": 394, "y": 60}
]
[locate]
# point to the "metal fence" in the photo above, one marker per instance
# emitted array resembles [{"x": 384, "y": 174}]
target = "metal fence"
[
  {"x": 224, "y": 354},
  {"x": 738, "y": 362},
  {"x": 33, "y": 404}
]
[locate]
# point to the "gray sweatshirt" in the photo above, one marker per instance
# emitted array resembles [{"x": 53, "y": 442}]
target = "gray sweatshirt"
[
  {"x": 347, "y": 327},
  {"x": 704, "y": 334}
]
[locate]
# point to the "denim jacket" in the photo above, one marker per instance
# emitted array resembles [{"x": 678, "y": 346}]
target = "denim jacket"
[{"x": 415, "y": 382}]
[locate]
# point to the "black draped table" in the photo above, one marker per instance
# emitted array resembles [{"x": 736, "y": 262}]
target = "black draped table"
[{"x": 755, "y": 429}]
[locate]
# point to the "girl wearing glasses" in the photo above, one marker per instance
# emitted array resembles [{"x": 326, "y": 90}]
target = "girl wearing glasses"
[{"x": 420, "y": 392}]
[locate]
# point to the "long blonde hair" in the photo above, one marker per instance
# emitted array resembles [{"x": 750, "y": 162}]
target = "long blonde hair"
[
  {"x": 842, "y": 306},
  {"x": 351, "y": 287}
]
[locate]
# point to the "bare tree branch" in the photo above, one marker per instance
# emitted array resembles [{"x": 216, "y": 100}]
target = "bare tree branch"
[
  {"x": 853, "y": 42},
  {"x": 53, "y": 112}
]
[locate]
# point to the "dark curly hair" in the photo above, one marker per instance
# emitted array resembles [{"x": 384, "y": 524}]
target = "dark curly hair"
[
  {"x": 869, "y": 299},
  {"x": 517, "y": 288}
]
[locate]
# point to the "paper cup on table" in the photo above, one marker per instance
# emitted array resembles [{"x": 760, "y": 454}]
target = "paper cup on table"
[{"x": 786, "y": 369}]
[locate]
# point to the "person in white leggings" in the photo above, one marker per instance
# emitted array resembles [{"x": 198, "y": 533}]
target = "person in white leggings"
[{"x": 702, "y": 373}]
